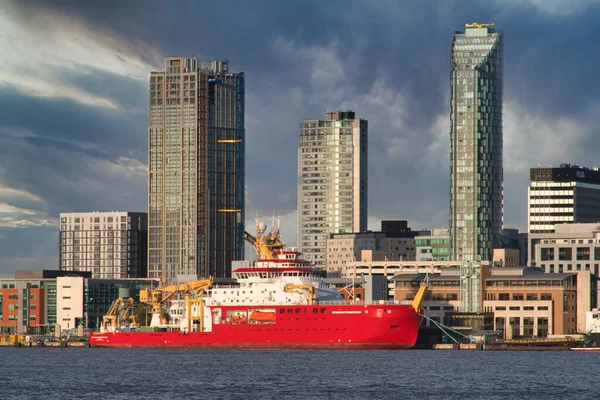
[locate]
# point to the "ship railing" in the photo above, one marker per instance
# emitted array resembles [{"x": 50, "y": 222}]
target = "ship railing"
[{"x": 365, "y": 303}]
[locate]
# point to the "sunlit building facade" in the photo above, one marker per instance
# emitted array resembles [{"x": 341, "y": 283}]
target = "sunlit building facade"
[
  {"x": 196, "y": 173},
  {"x": 332, "y": 181}
]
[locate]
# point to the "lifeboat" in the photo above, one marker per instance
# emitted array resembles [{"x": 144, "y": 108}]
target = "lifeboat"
[
  {"x": 262, "y": 316},
  {"x": 239, "y": 320}
]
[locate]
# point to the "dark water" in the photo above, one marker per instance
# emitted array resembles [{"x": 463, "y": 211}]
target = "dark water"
[{"x": 44, "y": 373}]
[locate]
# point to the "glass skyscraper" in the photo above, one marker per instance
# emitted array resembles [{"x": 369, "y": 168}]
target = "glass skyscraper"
[
  {"x": 476, "y": 174},
  {"x": 195, "y": 169}
]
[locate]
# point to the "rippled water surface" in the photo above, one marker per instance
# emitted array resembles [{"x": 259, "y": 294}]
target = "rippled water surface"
[{"x": 90, "y": 373}]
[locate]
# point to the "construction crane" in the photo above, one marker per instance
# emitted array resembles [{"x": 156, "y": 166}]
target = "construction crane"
[
  {"x": 118, "y": 314},
  {"x": 312, "y": 294},
  {"x": 158, "y": 296},
  {"x": 265, "y": 244},
  {"x": 478, "y": 25}
]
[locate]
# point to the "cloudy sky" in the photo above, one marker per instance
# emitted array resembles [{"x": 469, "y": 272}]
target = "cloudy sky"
[{"x": 73, "y": 99}]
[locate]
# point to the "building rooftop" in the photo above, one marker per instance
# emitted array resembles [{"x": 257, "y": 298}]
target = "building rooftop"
[
  {"x": 565, "y": 173},
  {"x": 497, "y": 274},
  {"x": 48, "y": 274}
]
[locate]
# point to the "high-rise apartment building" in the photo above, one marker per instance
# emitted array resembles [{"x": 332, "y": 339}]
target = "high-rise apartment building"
[
  {"x": 332, "y": 181},
  {"x": 561, "y": 195},
  {"x": 476, "y": 175},
  {"x": 196, "y": 169},
  {"x": 110, "y": 245}
]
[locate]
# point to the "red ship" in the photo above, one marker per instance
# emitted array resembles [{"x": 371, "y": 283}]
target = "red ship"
[{"x": 281, "y": 303}]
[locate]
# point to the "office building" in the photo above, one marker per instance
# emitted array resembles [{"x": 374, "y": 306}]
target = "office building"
[
  {"x": 561, "y": 195},
  {"x": 395, "y": 241},
  {"x": 28, "y": 302},
  {"x": 332, "y": 181},
  {"x": 522, "y": 301},
  {"x": 109, "y": 245},
  {"x": 476, "y": 174},
  {"x": 434, "y": 247},
  {"x": 572, "y": 247},
  {"x": 36, "y": 301},
  {"x": 195, "y": 169}
]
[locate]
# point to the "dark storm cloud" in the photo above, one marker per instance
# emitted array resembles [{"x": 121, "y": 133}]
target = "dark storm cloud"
[
  {"x": 128, "y": 95},
  {"x": 107, "y": 132},
  {"x": 388, "y": 60}
]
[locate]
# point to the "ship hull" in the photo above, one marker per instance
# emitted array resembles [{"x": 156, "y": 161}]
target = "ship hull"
[{"x": 295, "y": 327}]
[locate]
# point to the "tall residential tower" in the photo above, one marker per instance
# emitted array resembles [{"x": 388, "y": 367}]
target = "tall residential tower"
[
  {"x": 196, "y": 169},
  {"x": 332, "y": 181},
  {"x": 476, "y": 174}
]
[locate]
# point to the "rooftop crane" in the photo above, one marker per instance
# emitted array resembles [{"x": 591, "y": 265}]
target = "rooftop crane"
[{"x": 478, "y": 25}]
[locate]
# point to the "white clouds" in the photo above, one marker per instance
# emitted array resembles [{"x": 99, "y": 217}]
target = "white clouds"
[
  {"x": 7, "y": 193},
  {"x": 21, "y": 209},
  {"x": 531, "y": 138},
  {"x": 36, "y": 42}
]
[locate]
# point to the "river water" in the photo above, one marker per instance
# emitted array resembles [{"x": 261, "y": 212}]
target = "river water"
[{"x": 91, "y": 373}]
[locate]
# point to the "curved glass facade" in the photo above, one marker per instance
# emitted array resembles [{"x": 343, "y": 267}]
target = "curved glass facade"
[{"x": 476, "y": 172}]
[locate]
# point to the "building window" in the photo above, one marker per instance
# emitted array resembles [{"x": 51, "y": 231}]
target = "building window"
[
  {"x": 532, "y": 296},
  {"x": 547, "y": 254},
  {"x": 565, "y": 254},
  {"x": 583, "y": 253}
]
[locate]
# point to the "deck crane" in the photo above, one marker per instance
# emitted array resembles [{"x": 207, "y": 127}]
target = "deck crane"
[
  {"x": 118, "y": 314},
  {"x": 312, "y": 294},
  {"x": 158, "y": 296}
]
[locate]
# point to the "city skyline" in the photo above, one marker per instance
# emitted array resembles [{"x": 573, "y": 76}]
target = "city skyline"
[{"x": 85, "y": 75}]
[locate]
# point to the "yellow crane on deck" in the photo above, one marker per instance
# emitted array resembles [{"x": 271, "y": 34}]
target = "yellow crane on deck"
[
  {"x": 158, "y": 296},
  {"x": 312, "y": 294},
  {"x": 118, "y": 313}
]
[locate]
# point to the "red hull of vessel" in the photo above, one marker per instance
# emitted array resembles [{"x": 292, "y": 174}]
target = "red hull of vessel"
[{"x": 295, "y": 327}]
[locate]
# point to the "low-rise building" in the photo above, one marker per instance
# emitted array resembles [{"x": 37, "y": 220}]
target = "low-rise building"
[
  {"x": 506, "y": 258},
  {"x": 571, "y": 247},
  {"x": 395, "y": 241},
  {"x": 524, "y": 301},
  {"x": 34, "y": 302}
]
